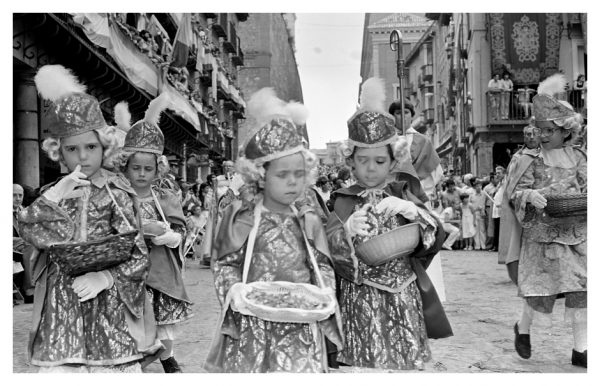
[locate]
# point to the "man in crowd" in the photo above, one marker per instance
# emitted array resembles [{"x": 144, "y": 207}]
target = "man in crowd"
[{"x": 22, "y": 252}]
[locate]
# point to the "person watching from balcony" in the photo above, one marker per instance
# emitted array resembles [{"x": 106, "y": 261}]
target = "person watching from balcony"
[
  {"x": 506, "y": 86},
  {"x": 494, "y": 89}
]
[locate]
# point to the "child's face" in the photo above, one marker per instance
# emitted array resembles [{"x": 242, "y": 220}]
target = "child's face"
[
  {"x": 82, "y": 149},
  {"x": 372, "y": 165},
  {"x": 285, "y": 179},
  {"x": 141, "y": 170}
]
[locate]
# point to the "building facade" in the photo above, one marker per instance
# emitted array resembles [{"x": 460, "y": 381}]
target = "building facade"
[
  {"x": 378, "y": 60},
  {"x": 270, "y": 58},
  {"x": 130, "y": 57}
]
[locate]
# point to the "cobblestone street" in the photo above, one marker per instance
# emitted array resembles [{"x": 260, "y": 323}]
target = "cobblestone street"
[{"x": 481, "y": 304}]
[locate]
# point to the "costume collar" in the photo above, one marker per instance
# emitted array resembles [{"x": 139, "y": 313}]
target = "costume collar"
[{"x": 101, "y": 178}]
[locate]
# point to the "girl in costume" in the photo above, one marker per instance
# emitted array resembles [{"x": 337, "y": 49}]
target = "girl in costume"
[
  {"x": 381, "y": 306},
  {"x": 275, "y": 159},
  {"x": 552, "y": 250},
  {"x": 87, "y": 322},
  {"x": 196, "y": 224},
  {"x": 164, "y": 226}
]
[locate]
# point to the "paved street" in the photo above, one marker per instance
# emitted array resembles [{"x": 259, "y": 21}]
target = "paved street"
[{"x": 481, "y": 304}]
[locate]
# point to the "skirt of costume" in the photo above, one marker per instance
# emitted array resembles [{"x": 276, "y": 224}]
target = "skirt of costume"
[{"x": 383, "y": 329}]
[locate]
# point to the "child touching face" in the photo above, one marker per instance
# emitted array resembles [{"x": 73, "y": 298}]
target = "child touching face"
[{"x": 102, "y": 302}]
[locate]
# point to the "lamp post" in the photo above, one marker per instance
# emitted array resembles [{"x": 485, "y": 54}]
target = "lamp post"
[{"x": 396, "y": 45}]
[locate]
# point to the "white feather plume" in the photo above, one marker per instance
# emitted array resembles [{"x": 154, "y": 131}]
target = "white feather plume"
[
  {"x": 54, "y": 81},
  {"x": 264, "y": 103},
  {"x": 553, "y": 85},
  {"x": 123, "y": 116},
  {"x": 297, "y": 111},
  {"x": 156, "y": 107},
  {"x": 372, "y": 96}
]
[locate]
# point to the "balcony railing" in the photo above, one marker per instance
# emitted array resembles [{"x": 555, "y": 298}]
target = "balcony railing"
[
  {"x": 427, "y": 73},
  {"x": 516, "y": 107}
]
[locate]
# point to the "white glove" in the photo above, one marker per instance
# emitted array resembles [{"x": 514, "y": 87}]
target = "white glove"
[
  {"x": 89, "y": 285},
  {"x": 170, "y": 238},
  {"x": 236, "y": 183},
  {"x": 357, "y": 222},
  {"x": 392, "y": 206},
  {"x": 537, "y": 200},
  {"x": 66, "y": 186}
]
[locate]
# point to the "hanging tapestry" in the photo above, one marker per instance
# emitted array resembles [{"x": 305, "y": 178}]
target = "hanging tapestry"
[{"x": 525, "y": 44}]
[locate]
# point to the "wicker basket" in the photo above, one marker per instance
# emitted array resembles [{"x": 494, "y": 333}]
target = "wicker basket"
[
  {"x": 245, "y": 301},
  {"x": 92, "y": 256},
  {"x": 566, "y": 205},
  {"x": 388, "y": 246}
]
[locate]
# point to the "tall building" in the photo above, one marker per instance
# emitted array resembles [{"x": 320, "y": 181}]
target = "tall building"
[
  {"x": 270, "y": 58},
  {"x": 476, "y": 132},
  {"x": 129, "y": 57},
  {"x": 378, "y": 60}
]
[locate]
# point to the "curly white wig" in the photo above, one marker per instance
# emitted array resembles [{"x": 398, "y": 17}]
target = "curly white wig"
[
  {"x": 107, "y": 137},
  {"x": 399, "y": 148},
  {"x": 254, "y": 173}
]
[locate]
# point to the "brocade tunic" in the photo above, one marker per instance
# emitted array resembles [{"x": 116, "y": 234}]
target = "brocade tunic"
[
  {"x": 167, "y": 310},
  {"x": 95, "y": 332},
  {"x": 252, "y": 344},
  {"x": 553, "y": 257},
  {"x": 381, "y": 306}
]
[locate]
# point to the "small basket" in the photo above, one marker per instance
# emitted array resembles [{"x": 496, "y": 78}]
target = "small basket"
[
  {"x": 323, "y": 300},
  {"x": 388, "y": 246},
  {"x": 95, "y": 255},
  {"x": 566, "y": 205}
]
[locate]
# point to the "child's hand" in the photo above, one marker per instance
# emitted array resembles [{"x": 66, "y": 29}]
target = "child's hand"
[
  {"x": 65, "y": 187},
  {"x": 170, "y": 239},
  {"x": 394, "y": 205},
  {"x": 89, "y": 285},
  {"x": 537, "y": 200},
  {"x": 357, "y": 222},
  {"x": 154, "y": 228}
]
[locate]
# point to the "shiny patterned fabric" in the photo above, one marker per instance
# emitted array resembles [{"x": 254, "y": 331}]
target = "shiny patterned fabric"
[
  {"x": 546, "y": 108},
  {"x": 146, "y": 137},
  {"x": 369, "y": 127},
  {"x": 381, "y": 329},
  {"x": 75, "y": 114},
  {"x": 553, "y": 256},
  {"x": 167, "y": 310},
  {"x": 254, "y": 345},
  {"x": 95, "y": 332},
  {"x": 381, "y": 306},
  {"x": 277, "y": 136}
]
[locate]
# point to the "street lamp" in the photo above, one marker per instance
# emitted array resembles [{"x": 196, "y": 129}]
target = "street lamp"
[{"x": 396, "y": 45}]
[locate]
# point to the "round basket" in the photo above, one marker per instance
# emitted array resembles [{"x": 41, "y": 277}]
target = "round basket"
[
  {"x": 95, "y": 255},
  {"x": 388, "y": 246},
  {"x": 566, "y": 205},
  {"x": 298, "y": 302}
]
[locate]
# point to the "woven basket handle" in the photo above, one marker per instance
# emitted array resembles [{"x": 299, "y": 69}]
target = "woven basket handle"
[
  {"x": 311, "y": 255},
  {"x": 251, "y": 239},
  {"x": 112, "y": 197}
]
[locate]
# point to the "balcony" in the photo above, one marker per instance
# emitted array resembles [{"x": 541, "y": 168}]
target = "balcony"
[
  {"x": 429, "y": 115},
  {"x": 238, "y": 57},
  {"x": 220, "y": 25},
  {"x": 506, "y": 108},
  {"x": 230, "y": 45},
  {"x": 427, "y": 73}
]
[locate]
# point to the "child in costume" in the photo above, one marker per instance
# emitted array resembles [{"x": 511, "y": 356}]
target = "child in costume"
[
  {"x": 164, "y": 225},
  {"x": 86, "y": 322},
  {"x": 275, "y": 159},
  {"x": 381, "y": 306},
  {"x": 552, "y": 251}
]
